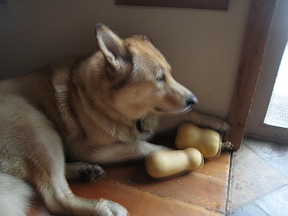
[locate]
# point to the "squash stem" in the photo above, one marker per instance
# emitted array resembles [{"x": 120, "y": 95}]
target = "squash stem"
[{"x": 227, "y": 145}]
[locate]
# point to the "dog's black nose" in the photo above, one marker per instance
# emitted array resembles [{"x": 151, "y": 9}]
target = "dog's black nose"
[{"x": 191, "y": 100}]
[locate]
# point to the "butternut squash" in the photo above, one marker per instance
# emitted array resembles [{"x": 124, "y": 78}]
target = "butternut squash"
[
  {"x": 207, "y": 141},
  {"x": 162, "y": 165}
]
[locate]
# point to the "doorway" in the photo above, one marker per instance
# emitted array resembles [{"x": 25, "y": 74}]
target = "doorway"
[{"x": 277, "y": 112}]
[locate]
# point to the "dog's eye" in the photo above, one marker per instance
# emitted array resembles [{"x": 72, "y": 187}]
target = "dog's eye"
[{"x": 162, "y": 78}]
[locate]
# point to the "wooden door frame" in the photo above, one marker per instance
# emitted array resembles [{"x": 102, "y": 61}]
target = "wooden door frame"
[
  {"x": 196, "y": 4},
  {"x": 252, "y": 55}
]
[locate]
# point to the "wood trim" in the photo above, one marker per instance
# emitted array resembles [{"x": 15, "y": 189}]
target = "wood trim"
[
  {"x": 197, "y": 4},
  {"x": 255, "y": 42}
]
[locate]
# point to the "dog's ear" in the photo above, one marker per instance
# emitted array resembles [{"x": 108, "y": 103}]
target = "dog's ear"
[{"x": 111, "y": 45}]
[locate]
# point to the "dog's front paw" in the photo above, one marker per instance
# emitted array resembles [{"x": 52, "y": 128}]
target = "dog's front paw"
[
  {"x": 90, "y": 172},
  {"x": 81, "y": 171},
  {"x": 216, "y": 124},
  {"x": 109, "y": 208}
]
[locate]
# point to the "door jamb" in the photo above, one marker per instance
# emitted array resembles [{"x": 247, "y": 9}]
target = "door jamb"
[{"x": 255, "y": 43}]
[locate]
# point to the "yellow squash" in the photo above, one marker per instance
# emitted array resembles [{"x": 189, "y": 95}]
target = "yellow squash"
[
  {"x": 163, "y": 165},
  {"x": 207, "y": 141}
]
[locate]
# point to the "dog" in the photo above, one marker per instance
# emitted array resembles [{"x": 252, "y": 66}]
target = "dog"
[{"x": 86, "y": 111}]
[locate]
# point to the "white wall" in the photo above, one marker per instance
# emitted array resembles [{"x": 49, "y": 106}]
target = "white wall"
[{"x": 202, "y": 46}]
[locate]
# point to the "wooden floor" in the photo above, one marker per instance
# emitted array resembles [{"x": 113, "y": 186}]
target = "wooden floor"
[{"x": 203, "y": 192}]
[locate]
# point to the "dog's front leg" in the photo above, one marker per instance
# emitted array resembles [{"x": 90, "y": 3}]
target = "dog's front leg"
[
  {"x": 120, "y": 152},
  {"x": 168, "y": 122}
]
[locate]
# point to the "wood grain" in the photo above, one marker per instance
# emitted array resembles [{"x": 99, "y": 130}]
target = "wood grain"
[
  {"x": 197, "y": 4},
  {"x": 202, "y": 192},
  {"x": 255, "y": 42}
]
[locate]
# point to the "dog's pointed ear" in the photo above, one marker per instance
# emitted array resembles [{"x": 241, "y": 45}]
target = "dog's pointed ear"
[{"x": 111, "y": 45}]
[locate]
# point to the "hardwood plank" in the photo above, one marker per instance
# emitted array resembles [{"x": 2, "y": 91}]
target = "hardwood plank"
[
  {"x": 147, "y": 203},
  {"x": 202, "y": 192},
  {"x": 137, "y": 202},
  {"x": 218, "y": 168},
  {"x": 206, "y": 187}
]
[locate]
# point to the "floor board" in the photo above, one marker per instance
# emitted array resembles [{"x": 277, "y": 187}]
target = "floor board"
[{"x": 202, "y": 192}]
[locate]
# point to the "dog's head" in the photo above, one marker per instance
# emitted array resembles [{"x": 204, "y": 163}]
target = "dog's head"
[{"x": 142, "y": 79}]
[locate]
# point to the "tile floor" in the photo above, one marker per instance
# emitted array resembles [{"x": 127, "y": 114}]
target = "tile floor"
[{"x": 259, "y": 180}]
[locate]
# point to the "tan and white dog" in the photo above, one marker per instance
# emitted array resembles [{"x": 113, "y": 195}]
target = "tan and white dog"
[{"x": 91, "y": 110}]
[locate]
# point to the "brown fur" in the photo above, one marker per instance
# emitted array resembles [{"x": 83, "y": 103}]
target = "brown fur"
[{"x": 92, "y": 110}]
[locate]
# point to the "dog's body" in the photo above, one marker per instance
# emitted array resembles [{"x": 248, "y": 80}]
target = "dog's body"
[{"x": 95, "y": 110}]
